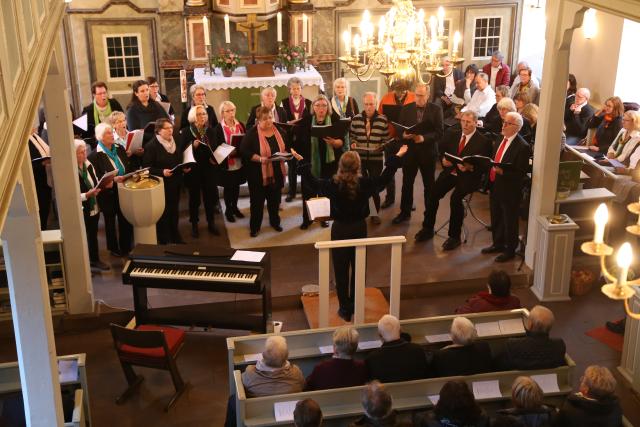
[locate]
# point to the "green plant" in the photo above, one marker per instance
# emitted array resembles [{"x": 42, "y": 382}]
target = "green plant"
[
  {"x": 226, "y": 59},
  {"x": 291, "y": 56}
]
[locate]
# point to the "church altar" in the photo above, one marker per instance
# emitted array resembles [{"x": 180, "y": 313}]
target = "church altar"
[{"x": 244, "y": 91}]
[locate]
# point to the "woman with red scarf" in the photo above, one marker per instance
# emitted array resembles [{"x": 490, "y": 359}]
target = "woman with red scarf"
[
  {"x": 264, "y": 176},
  {"x": 233, "y": 173},
  {"x": 607, "y": 122}
]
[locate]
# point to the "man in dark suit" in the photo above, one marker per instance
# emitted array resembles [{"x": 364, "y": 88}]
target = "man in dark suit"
[
  {"x": 268, "y": 99},
  {"x": 463, "y": 178},
  {"x": 443, "y": 87},
  {"x": 423, "y": 149},
  {"x": 577, "y": 116},
  {"x": 536, "y": 350},
  {"x": 396, "y": 359},
  {"x": 98, "y": 111},
  {"x": 506, "y": 187}
]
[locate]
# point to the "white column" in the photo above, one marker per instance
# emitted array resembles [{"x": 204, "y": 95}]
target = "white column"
[
  {"x": 67, "y": 187},
  {"x": 361, "y": 283},
  {"x": 630, "y": 360},
  {"x": 35, "y": 343},
  {"x": 562, "y": 18},
  {"x": 323, "y": 283}
]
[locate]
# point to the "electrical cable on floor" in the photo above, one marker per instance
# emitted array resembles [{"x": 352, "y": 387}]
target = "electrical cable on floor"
[{"x": 101, "y": 302}]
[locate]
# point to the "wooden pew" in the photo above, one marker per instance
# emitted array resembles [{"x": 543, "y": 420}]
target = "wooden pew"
[
  {"x": 304, "y": 345},
  {"x": 341, "y": 405},
  {"x": 10, "y": 383}
]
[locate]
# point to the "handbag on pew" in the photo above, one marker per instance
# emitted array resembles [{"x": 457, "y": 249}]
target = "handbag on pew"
[{"x": 319, "y": 209}]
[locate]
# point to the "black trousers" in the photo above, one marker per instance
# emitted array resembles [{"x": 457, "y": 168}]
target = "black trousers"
[
  {"x": 373, "y": 168},
  {"x": 504, "y": 221},
  {"x": 424, "y": 161},
  {"x": 202, "y": 184},
  {"x": 120, "y": 240},
  {"x": 167, "y": 225},
  {"x": 443, "y": 185},
  {"x": 390, "y": 196},
  {"x": 292, "y": 176},
  {"x": 91, "y": 228},
  {"x": 344, "y": 261},
  {"x": 43, "y": 193},
  {"x": 258, "y": 194},
  {"x": 231, "y": 182}
]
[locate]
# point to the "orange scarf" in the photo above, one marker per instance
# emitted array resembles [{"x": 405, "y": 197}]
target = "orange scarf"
[{"x": 265, "y": 151}]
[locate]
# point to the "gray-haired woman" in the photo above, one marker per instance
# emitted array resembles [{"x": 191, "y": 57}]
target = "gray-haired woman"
[{"x": 198, "y": 97}]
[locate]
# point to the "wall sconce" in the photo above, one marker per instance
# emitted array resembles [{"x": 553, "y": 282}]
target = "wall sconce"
[{"x": 589, "y": 24}]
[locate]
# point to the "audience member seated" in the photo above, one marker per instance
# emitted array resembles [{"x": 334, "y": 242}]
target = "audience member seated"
[
  {"x": 521, "y": 99},
  {"x": 307, "y": 414},
  {"x": 460, "y": 93},
  {"x": 464, "y": 356},
  {"x": 631, "y": 149},
  {"x": 595, "y": 404},
  {"x": 483, "y": 98},
  {"x": 443, "y": 87},
  {"x": 497, "y": 296},
  {"x": 493, "y": 123},
  {"x": 396, "y": 359},
  {"x": 523, "y": 65},
  {"x": 626, "y": 142},
  {"x": 378, "y": 408},
  {"x": 526, "y": 85},
  {"x": 607, "y": 122},
  {"x": 456, "y": 407},
  {"x": 274, "y": 374},
  {"x": 526, "y": 396},
  {"x": 536, "y": 350},
  {"x": 493, "y": 116},
  {"x": 572, "y": 88},
  {"x": 530, "y": 114},
  {"x": 505, "y": 421},
  {"x": 498, "y": 71},
  {"x": 577, "y": 116},
  {"x": 341, "y": 370}
]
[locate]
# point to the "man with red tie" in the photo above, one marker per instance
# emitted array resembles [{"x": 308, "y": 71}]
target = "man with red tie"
[
  {"x": 464, "y": 178},
  {"x": 506, "y": 188}
]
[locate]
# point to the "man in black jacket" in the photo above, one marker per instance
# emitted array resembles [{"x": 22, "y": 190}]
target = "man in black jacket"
[
  {"x": 577, "y": 116},
  {"x": 396, "y": 359},
  {"x": 506, "y": 187},
  {"x": 464, "y": 178},
  {"x": 536, "y": 350},
  {"x": 98, "y": 111},
  {"x": 423, "y": 149}
]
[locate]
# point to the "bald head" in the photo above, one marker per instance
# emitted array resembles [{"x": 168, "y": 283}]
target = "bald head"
[{"x": 540, "y": 319}]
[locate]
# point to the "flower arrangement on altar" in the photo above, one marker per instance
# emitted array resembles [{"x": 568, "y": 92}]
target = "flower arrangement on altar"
[
  {"x": 291, "y": 57},
  {"x": 226, "y": 60}
]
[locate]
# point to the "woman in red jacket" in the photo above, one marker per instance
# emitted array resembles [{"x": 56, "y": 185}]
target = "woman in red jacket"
[{"x": 498, "y": 297}]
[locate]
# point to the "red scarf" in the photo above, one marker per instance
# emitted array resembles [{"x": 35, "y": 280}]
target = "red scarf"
[
  {"x": 227, "y": 136},
  {"x": 608, "y": 118},
  {"x": 265, "y": 151},
  {"x": 297, "y": 112}
]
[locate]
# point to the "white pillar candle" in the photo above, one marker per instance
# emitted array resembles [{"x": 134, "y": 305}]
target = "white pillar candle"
[
  {"x": 441, "y": 21},
  {"x": 456, "y": 42},
  {"x": 227, "y": 32},
  {"x": 304, "y": 27},
  {"x": 433, "y": 23},
  {"x": 279, "y": 26},
  {"x": 205, "y": 25},
  {"x": 346, "y": 38},
  {"x": 381, "y": 30},
  {"x": 623, "y": 259},
  {"x": 600, "y": 219}
]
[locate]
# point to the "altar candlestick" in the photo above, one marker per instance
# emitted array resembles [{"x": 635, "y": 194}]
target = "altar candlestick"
[
  {"x": 304, "y": 28},
  {"x": 227, "y": 32},
  {"x": 279, "y": 26},
  {"x": 205, "y": 25}
]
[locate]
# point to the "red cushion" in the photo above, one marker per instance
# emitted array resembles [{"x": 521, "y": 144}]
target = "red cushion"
[{"x": 174, "y": 337}]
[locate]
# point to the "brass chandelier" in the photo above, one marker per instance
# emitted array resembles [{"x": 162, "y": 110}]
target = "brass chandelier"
[{"x": 403, "y": 48}]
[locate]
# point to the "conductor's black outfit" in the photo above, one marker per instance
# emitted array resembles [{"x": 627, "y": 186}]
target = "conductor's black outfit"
[
  {"x": 118, "y": 243},
  {"x": 292, "y": 174},
  {"x": 204, "y": 175},
  {"x": 506, "y": 193},
  {"x": 158, "y": 158},
  {"x": 463, "y": 183},
  {"x": 259, "y": 192},
  {"x": 349, "y": 216},
  {"x": 421, "y": 156}
]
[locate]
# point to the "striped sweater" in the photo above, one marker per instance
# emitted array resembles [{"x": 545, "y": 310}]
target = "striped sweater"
[{"x": 378, "y": 135}]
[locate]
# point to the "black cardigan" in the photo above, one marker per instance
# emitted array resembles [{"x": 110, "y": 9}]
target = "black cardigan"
[
  {"x": 138, "y": 116},
  {"x": 202, "y": 154},
  {"x": 213, "y": 119},
  {"x": 287, "y": 108},
  {"x": 605, "y": 135},
  {"x": 249, "y": 146},
  {"x": 89, "y": 134}
]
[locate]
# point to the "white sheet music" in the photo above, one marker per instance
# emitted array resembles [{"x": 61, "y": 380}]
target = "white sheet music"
[
  {"x": 252, "y": 357},
  {"x": 486, "y": 389},
  {"x": 547, "y": 382},
  {"x": 319, "y": 207},
  {"x": 438, "y": 338},
  {"x": 68, "y": 370},
  {"x": 284, "y": 410},
  {"x": 187, "y": 155},
  {"x": 366, "y": 345},
  {"x": 81, "y": 122},
  {"x": 434, "y": 398},
  {"x": 134, "y": 139},
  {"x": 222, "y": 152},
  {"x": 511, "y": 326},
  {"x": 486, "y": 329},
  {"x": 165, "y": 105},
  {"x": 248, "y": 256},
  {"x": 326, "y": 349}
]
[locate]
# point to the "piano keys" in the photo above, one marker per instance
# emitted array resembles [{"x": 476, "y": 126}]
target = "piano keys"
[{"x": 209, "y": 269}]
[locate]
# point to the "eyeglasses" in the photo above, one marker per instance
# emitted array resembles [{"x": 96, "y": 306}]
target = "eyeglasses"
[
  {"x": 168, "y": 127},
  {"x": 231, "y": 110},
  {"x": 509, "y": 124},
  {"x": 154, "y": 86}
]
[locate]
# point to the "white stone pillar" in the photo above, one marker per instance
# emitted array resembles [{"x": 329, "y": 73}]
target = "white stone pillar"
[
  {"x": 35, "y": 343},
  {"x": 67, "y": 187},
  {"x": 562, "y": 18},
  {"x": 630, "y": 360}
]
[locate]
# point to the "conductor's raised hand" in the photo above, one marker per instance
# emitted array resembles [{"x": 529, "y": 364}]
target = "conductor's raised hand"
[
  {"x": 295, "y": 154},
  {"x": 402, "y": 151}
]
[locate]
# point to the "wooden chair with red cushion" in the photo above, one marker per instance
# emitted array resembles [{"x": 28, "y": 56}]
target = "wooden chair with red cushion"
[{"x": 150, "y": 346}]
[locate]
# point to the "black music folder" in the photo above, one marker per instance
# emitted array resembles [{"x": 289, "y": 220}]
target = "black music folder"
[
  {"x": 479, "y": 161},
  {"x": 334, "y": 130}
]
